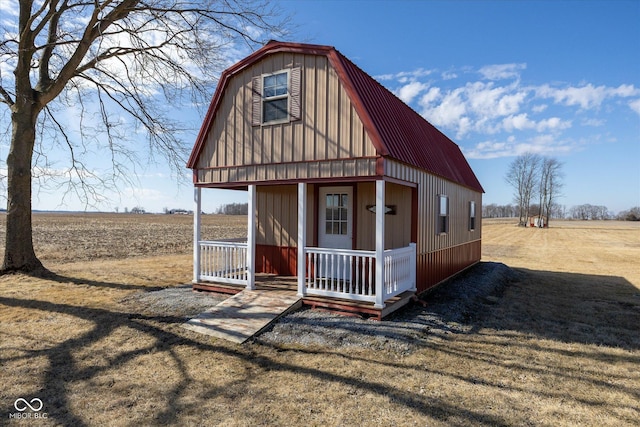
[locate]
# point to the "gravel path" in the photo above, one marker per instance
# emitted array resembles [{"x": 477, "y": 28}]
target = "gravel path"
[{"x": 452, "y": 308}]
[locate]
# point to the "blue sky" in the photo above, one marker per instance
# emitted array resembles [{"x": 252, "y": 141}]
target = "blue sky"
[{"x": 500, "y": 78}]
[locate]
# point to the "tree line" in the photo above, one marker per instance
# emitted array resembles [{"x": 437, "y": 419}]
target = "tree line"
[
  {"x": 233, "y": 209},
  {"x": 581, "y": 212}
]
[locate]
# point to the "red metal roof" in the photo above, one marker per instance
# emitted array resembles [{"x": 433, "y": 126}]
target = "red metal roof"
[{"x": 396, "y": 130}]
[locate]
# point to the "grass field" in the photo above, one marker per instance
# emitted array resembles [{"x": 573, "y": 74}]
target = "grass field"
[{"x": 560, "y": 347}]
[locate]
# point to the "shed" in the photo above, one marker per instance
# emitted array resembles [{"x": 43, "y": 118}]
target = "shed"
[
  {"x": 350, "y": 192},
  {"x": 539, "y": 221}
]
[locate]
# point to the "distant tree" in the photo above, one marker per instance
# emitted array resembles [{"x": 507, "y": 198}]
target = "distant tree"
[
  {"x": 137, "y": 210},
  {"x": 523, "y": 176},
  {"x": 120, "y": 63},
  {"x": 493, "y": 210},
  {"x": 589, "y": 212},
  {"x": 632, "y": 214},
  {"x": 558, "y": 211},
  {"x": 233, "y": 209}
]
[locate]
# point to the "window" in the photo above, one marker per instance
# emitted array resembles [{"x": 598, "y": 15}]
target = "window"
[
  {"x": 276, "y": 97},
  {"x": 472, "y": 215},
  {"x": 443, "y": 214},
  {"x": 336, "y": 220}
]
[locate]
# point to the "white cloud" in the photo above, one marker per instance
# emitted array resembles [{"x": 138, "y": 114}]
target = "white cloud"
[
  {"x": 450, "y": 110},
  {"x": 541, "y": 144},
  {"x": 476, "y": 106},
  {"x": 405, "y": 76},
  {"x": 137, "y": 194},
  {"x": 492, "y": 106},
  {"x": 9, "y": 7},
  {"x": 592, "y": 122},
  {"x": 431, "y": 96},
  {"x": 449, "y": 75},
  {"x": 502, "y": 71},
  {"x": 488, "y": 100},
  {"x": 539, "y": 108},
  {"x": 553, "y": 124},
  {"x": 409, "y": 91},
  {"x": 587, "y": 96},
  {"x": 519, "y": 122},
  {"x": 522, "y": 122}
]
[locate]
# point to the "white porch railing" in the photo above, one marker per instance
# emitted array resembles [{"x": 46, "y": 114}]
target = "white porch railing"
[
  {"x": 224, "y": 262},
  {"x": 399, "y": 271},
  {"x": 337, "y": 273},
  {"x": 340, "y": 273},
  {"x": 350, "y": 274}
]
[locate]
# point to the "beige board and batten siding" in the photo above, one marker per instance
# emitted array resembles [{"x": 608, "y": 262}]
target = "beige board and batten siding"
[
  {"x": 328, "y": 141},
  {"x": 429, "y": 188},
  {"x": 277, "y": 214},
  {"x": 397, "y": 226}
]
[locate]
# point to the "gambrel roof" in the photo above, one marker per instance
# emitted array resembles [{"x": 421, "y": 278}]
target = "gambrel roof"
[{"x": 395, "y": 129}]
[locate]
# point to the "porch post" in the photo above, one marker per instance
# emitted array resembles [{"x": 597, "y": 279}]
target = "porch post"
[
  {"x": 413, "y": 267},
  {"x": 197, "y": 210},
  {"x": 251, "y": 238},
  {"x": 302, "y": 237},
  {"x": 379, "y": 244}
]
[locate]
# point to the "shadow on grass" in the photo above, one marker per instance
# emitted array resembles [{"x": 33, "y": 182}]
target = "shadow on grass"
[
  {"x": 556, "y": 306},
  {"x": 568, "y": 307},
  {"x": 96, "y": 283},
  {"x": 64, "y": 368},
  {"x": 565, "y": 307}
]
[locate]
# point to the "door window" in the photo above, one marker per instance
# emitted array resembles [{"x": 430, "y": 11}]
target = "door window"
[{"x": 336, "y": 219}]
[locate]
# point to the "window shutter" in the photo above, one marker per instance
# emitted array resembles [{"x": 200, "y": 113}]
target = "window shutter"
[
  {"x": 256, "y": 112},
  {"x": 295, "y": 94}
]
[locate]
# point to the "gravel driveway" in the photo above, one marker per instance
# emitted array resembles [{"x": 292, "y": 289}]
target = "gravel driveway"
[{"x": 451, "y": 308}]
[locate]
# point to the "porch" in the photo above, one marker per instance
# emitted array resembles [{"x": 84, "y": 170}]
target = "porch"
[
  {"x": 269, "y": 282},
  {"x": 374, "y": 282},
  {"x": 222, "y": 271}
]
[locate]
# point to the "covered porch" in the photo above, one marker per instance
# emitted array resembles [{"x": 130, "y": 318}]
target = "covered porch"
[{"x": 374, "y": 282}]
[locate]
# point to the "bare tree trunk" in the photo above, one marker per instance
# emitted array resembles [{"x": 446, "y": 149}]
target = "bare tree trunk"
[{"x": 19, "y": 254}]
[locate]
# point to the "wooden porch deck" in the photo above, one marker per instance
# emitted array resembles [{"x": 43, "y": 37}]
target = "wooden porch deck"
[{"x": 289, "y": 283}]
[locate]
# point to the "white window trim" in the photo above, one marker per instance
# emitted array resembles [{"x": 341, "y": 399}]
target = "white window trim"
[
  {"x": 472, "y": 203},
  {"x": 439, "y": 231},
  {"x": 264, "y": 99}
]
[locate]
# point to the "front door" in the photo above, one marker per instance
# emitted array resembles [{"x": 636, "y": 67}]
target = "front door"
[
  {"x": 335, "y": 231},
  {"x": 335, "y": 218}
]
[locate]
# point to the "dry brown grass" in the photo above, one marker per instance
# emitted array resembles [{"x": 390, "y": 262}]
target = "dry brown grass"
[{"x": 559, "y": 348}]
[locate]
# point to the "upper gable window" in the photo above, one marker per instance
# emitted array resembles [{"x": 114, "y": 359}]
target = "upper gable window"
[{"x": 276, "y": 97}]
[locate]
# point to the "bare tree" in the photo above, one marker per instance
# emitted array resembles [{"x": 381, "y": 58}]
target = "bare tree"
[
  {"x": 590, "y": 212},
  {"x": 550, "y": 185},
  {"x": 632, "y": 214},
  {"x": 522, "y": 175},
  {"x": 126, "y": 67}
]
